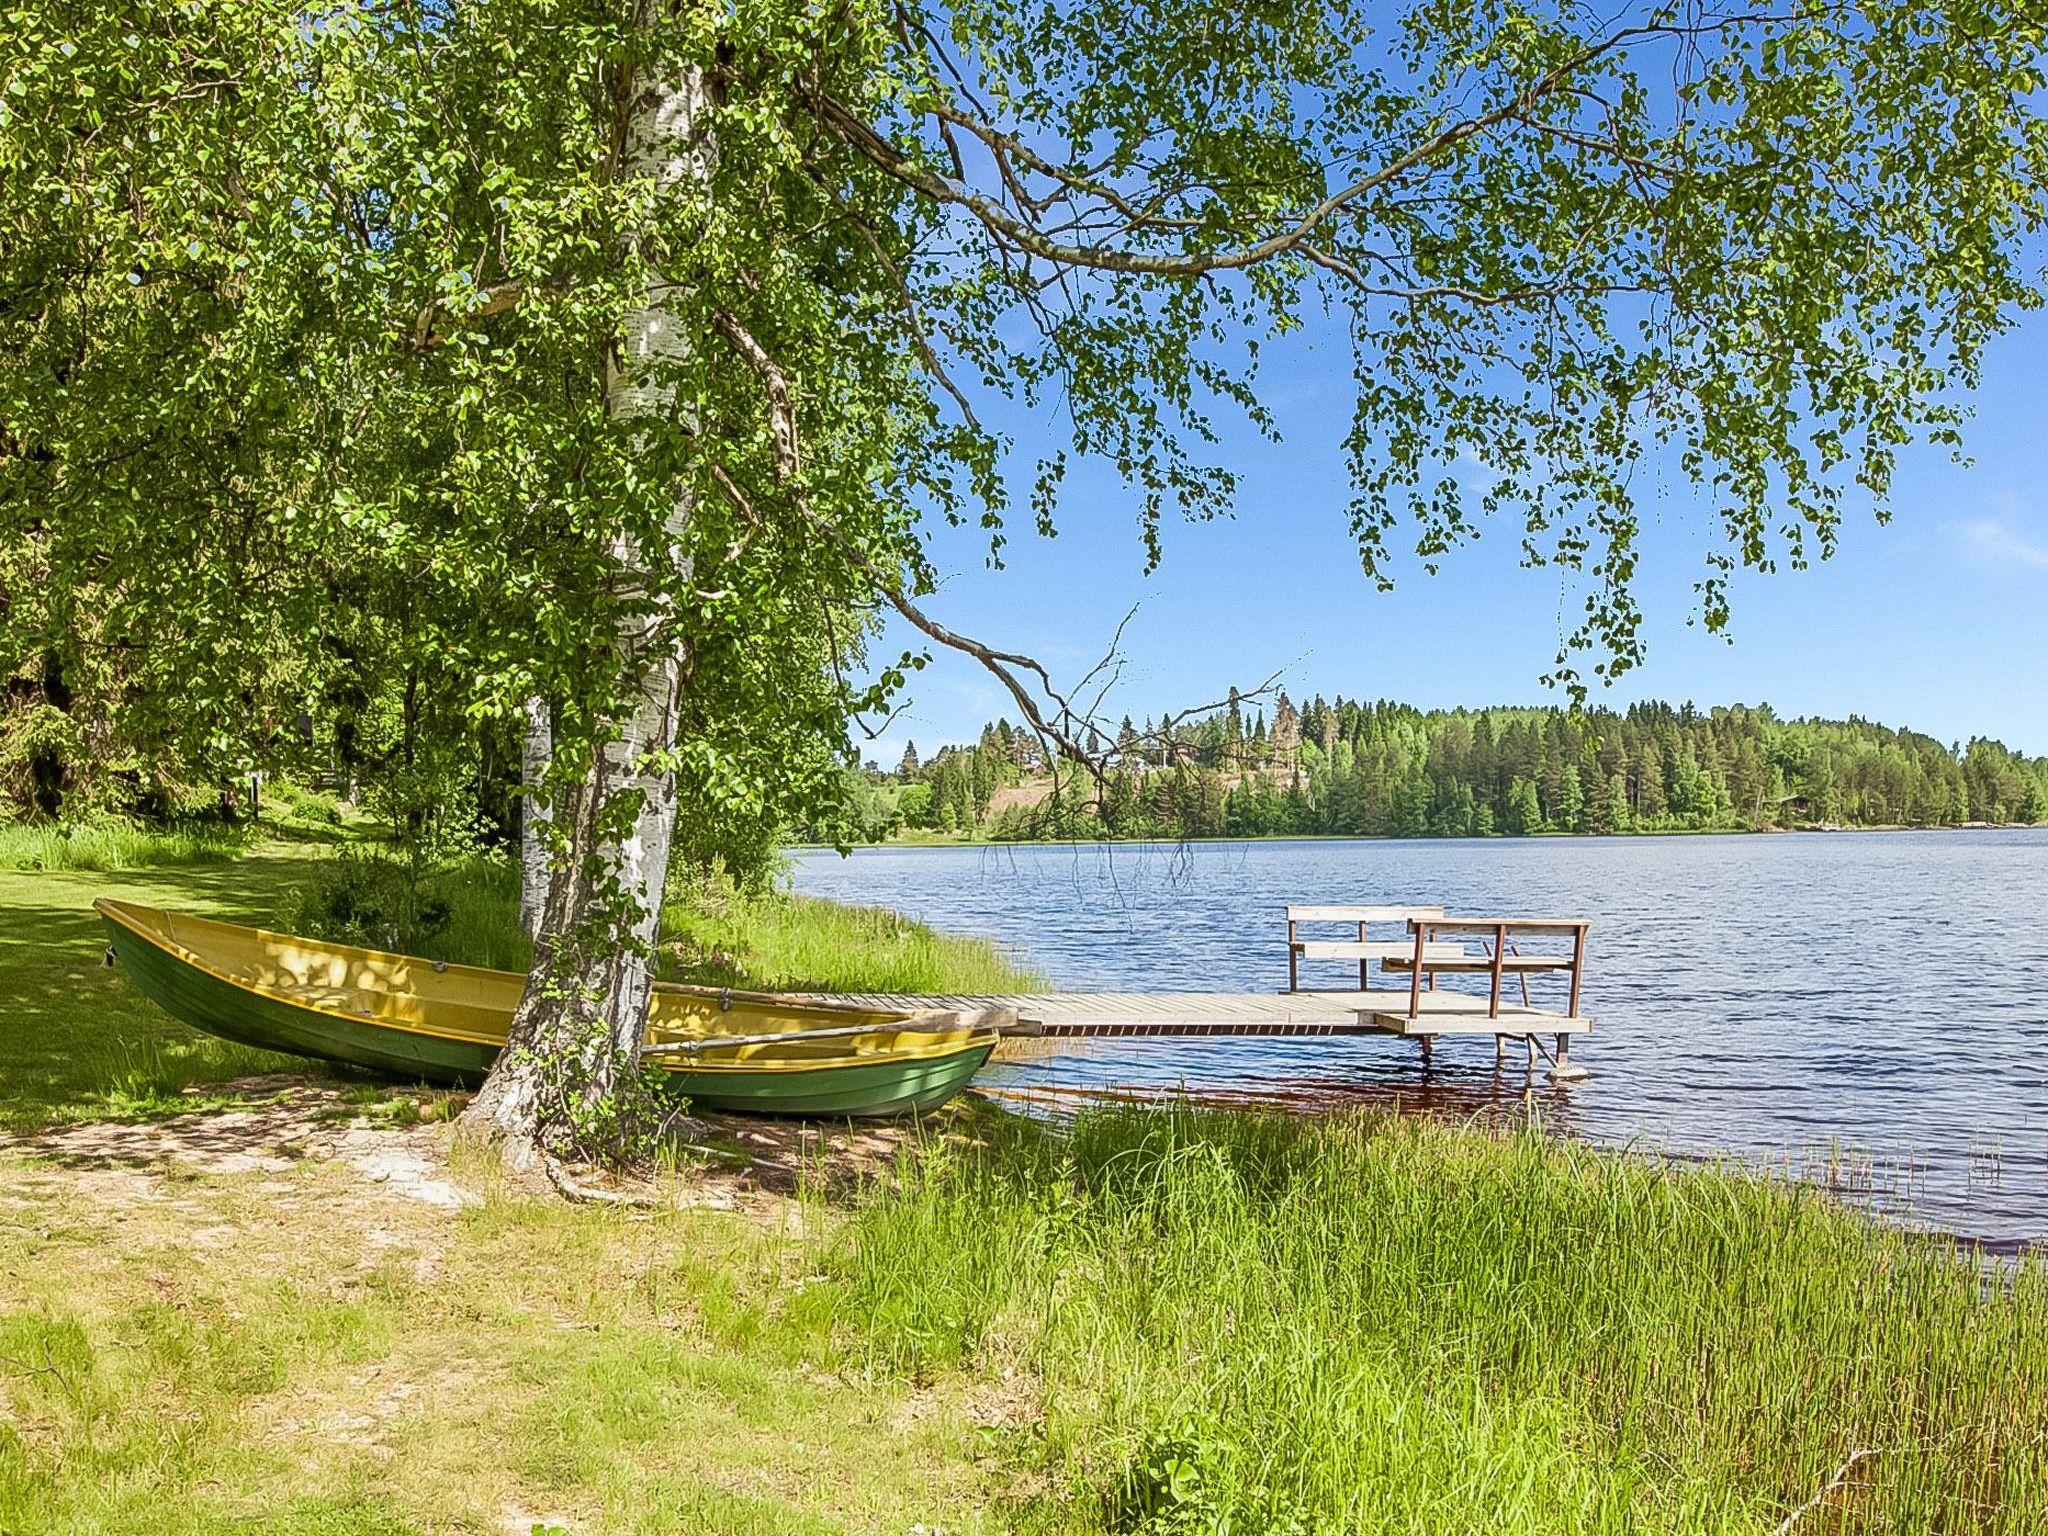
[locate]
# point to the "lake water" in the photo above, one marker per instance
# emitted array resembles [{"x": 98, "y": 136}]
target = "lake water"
[{"x": 1867, "y": 1007}]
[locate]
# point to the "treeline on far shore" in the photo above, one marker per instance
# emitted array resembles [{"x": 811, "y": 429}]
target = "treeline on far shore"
[{"x": 1344, "y": 767}]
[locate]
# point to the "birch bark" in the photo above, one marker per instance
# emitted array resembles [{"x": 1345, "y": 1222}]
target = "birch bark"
[
  {"x": 579, "y": 1029},
  {"x": 536, "y": 751}
]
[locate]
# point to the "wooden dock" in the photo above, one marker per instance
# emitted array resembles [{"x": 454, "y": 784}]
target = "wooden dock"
[
  {"x": 1415, "y": 1008},
  {"x": 1239, "y": 1015},
  {"x": 1136, "y": 1015}
]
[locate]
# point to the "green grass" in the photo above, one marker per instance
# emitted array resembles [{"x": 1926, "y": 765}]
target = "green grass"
[
  {"x": 799, "y": 943},
  {"x": 1245, "y": 1324},
  {"x": 1163, "y": 1324},
  {"x": 116, "y": 845}
]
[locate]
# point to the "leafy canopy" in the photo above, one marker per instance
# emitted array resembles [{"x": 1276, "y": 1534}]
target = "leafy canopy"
[{"x": 306, "y": 310}]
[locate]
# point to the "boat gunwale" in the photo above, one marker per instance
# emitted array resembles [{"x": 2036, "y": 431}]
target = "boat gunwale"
[{"x": 123, "y": 913}]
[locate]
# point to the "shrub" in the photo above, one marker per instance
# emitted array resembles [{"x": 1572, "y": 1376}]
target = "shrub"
[
  {"x": 464, "y": 910},
  {"x": 365, "y": 897},
  {"x": 294, "y": 806}
]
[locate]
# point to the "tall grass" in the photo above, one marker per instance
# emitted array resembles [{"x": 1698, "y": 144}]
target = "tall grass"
[
  {"x": 116, "y": 845},
  {"x": 800, "y": 943},
  {"x": 1242, "y": 1324},
  {"x": 153, "y": 1075},
  {"x": 468, "y": 912}
]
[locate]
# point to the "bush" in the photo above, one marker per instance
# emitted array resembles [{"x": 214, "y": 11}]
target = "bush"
[
  {"x": 34, "y": 742},
  {"x": 464, "y": 910},
  {"x": 294, "y": 807},
  {"x": 366, "y": 898}
]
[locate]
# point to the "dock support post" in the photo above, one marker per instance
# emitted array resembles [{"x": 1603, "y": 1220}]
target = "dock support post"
[
  {"x": 1428, "y": 1050},
  {"x": 1421, "y": 931},
  {"x": 1561, "y": 1068},
  {"x": 1578, "y": 968},
  {"x": 1500, "y": 1050},
  {"x": 1530, "y": 1042},
  {"x": 1500, "y": 955}
]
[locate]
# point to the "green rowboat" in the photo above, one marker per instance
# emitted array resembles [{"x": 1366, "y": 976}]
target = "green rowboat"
[{"x": 423, "y": 1020}]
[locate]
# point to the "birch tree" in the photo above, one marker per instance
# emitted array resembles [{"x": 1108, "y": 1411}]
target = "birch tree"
[{"x": 637, "y": 339}]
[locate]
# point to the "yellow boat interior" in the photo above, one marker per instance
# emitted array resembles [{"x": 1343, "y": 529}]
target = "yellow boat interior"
[{"x": 470, "y": 1003}]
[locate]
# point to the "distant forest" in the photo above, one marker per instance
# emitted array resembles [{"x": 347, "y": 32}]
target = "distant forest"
[{"x": 1352, "y": 768}]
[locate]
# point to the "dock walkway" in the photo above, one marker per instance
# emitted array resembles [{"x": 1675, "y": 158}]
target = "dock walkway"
[
  {"x": 1418, "y": 1010},
  {"x": 1076, "y": 1015}
]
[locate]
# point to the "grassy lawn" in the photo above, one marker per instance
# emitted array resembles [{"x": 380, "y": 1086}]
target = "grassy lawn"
[
  {"x": 305, "y": 1307},
  {"x": 191, "y": 1344},
  {"x": 196, "y": 1349},
  {"x": 76, "y": 1042}
]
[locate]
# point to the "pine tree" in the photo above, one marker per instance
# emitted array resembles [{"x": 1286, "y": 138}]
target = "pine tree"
[
  {"x": 1571, "y": 804},
  {"x": 1286, "y": 738},
  {"x": 1619, "y": 818},
  {"x": 1524, "y": 810}
]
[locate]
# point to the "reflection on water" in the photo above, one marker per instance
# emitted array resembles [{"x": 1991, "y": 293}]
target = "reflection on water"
[
  {"x": 1869, "y": 1010},
  {"x": 1501, "y": 1101},
  {"x": 1322, "y": 1075}
]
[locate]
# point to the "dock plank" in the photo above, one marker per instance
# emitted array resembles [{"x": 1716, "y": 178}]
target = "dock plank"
[
  {"x": 1299, "y": 913},
  {"x": 1081, "y": 1015},
  {"x": 1380, "y": 949},
  {"x": 1482, "y": 925},
  {"x": 1470, "y": 964}
]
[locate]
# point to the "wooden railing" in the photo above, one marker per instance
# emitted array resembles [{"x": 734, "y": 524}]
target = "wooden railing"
[
  {"x": 1362, "y": 949},
  {"x": 1431, "y": 948},
  {"x": 1500, "y": 960}
]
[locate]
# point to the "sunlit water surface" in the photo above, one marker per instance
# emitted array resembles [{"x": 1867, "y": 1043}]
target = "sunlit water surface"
[{"x": 1869, "y": 1008}]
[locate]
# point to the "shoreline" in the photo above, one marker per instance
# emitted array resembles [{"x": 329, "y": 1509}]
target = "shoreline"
[
  {"x": 1768, "y": 1130},
  {"x": 942, "y": 840}
]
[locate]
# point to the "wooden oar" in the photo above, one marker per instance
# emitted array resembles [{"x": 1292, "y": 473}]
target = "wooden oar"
[{"x": 935, "y": 1023}]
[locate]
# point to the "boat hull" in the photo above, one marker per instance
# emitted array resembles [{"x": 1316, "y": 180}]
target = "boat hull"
[{"x": 878, "y": 1083}]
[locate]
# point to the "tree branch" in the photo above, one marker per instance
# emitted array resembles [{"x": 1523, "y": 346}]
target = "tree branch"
[
  {"x": 1073, "y": 731},
  {"x": 437, "y": 323},
  {"x": 774, "y": 384},
  {"x": 1025, "y": 235},
  {"x": 913, "y": 314}
]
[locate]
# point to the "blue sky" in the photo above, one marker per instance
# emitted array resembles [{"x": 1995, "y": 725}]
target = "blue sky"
[{"x": 1935, "y": 621}]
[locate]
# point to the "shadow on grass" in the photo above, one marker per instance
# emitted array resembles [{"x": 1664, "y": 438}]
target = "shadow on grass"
[{"x": 77, "y": 1041}]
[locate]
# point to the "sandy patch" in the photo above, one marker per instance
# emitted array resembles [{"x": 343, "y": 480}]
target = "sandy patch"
[{"x": 281, "y": 1122}]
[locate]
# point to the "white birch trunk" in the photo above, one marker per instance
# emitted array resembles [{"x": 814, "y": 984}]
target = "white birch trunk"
[
  {"x": 582, "y": 1021},
  {"x": 536, "y": 751}
]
